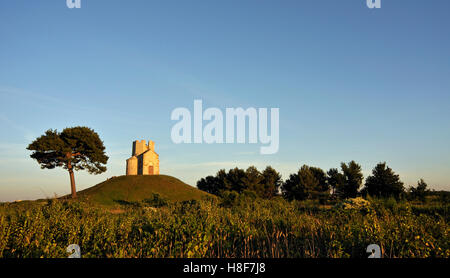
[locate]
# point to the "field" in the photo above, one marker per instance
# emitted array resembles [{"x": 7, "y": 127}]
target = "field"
[{"x": 243, "y": 227}]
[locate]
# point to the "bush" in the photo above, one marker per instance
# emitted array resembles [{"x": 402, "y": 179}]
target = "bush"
[{"x": 357, "y": 204}]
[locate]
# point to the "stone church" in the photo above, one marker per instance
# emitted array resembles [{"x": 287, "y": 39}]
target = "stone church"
[{"x": 144, "y": 160}]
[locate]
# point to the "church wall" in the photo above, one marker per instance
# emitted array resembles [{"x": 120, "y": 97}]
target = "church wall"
[
  {"x": 132, "y": 166},
  {"x": 144, "y": 160},
  {"x": 151, "y": 159}
]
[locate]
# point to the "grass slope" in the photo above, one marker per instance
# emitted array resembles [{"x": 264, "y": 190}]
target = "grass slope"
[{"x": 138, "y": 188}]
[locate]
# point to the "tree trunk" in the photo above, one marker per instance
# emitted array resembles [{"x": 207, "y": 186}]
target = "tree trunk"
[{"x": 72, "y": 180}]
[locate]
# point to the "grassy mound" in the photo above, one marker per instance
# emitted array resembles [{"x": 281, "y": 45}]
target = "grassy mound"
[{"x": 125, "y": 189}]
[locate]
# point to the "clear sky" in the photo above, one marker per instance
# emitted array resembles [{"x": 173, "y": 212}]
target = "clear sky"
[{"x": 351, "y": 83}]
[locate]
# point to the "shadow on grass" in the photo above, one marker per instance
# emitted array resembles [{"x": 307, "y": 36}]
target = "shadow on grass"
[{"x": 128, "y": 203}]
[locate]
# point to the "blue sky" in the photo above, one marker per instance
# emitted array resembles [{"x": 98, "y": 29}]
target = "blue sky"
[{"x": 351, "y": 83}]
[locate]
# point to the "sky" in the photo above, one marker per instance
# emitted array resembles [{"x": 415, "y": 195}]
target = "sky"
[{"x": 351, "y": 83}]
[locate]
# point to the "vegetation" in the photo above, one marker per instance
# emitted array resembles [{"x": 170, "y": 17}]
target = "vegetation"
[
  {"x": 419, "y": 192},
  {"x": 265, "y": 184},
  {"x": 308, "y": 183},
  {"x": 235, "y": 214},
  {"x": 132, "y": 189},
  {"x": 383, "y": 183},
  {"x": 76, "y": 148},
  {"x": 244, "y": 226},
  {"x": 313, "y": 183}
]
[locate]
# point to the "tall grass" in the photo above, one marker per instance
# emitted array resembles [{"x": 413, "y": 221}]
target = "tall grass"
[{"x": 250, "y": 228}]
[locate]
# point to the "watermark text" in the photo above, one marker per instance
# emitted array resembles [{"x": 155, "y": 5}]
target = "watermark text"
[
  {"x": 73, "y": 4},
  {"x": 236, "y": 120}
]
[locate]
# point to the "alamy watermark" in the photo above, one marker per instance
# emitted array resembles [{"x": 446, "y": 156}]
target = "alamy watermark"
[
  {"x": 74, "y": 250},
  {"x": 73, "y": 4},
  {"x": 373, "y": 249},
  {"x": 77, "y": 4},
  {"x": 374, "y": 4},
  {"x": 213, "y": 131}
]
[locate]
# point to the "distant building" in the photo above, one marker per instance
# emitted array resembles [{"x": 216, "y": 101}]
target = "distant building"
[{"x": 144, "y": 160}]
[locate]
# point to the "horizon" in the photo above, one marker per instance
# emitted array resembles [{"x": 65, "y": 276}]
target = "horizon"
[{"x": 351, "y": 83}]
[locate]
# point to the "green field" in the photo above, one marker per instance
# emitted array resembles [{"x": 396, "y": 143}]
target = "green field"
[{"x": 156, "y": 217}]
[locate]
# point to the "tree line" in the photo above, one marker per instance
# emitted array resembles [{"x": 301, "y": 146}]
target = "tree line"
[
  {"x": 313, "y": 183},
  {"x": 80, "y": 148}
]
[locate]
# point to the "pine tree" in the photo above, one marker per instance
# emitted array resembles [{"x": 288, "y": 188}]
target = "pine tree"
[
  {"x": 353, "y": 178},
  {"x": 75, "y": 148},
  {"x": 384, "y": 182}
]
